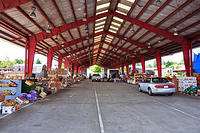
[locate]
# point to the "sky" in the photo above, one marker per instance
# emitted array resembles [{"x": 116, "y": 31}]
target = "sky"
[{"x": 14, "y": 51}]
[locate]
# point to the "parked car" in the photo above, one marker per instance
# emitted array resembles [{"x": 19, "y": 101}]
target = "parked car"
[
  {"x": 96, "y": 77},
  {"x": 157, "y": 86}
]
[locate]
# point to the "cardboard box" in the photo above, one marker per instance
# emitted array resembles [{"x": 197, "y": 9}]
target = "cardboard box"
[
  {"x": 8, "y": 109},
  {"x": 19, "y": 100}
]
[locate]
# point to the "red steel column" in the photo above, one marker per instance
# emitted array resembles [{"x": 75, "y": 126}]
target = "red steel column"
[
  {"x": 159, "y": 63},
  {"x": 49, "y": 58},
  {"x": 143, "y": 63},
  {"x": 79, "y": 68},
  {"x": 191, "y": 61},
  {"x": 122, "y": 69},
  {"x": 25, "y": 63},
  {"x": 133, "y": 65},
  {"x": 70, "y": 68},
  {"x": 31, "y": 53},
  {"x": 75, "y": 69},
  {"x": 60, "y": 62},
  {"x": 185, "y": 48},
  {"x": 66, "y": 63},
  {"x": 127, "y": 69}
]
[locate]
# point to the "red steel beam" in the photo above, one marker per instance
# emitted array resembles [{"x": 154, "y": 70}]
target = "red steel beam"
[
  {"x": 7, "y": 4},
  {"x": 56, "y": 48},
  {"x": 12, "y": 29},
  {"x": 11, "y": 20},
  {"x": 57, "y": 30},
  {"x": 132, "y": 42},
  {"x": 152, "y": 28},
  {"x": 169, "y": 16}
]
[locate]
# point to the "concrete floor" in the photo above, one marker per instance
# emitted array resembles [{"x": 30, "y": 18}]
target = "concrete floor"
[{"x": 123, "y": 110}]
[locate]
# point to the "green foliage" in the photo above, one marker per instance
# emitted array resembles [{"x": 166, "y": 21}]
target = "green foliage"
[
  {"x": 149, "y": 66},
  {"x": 181, "y": 63},
  {"x": 138, "y": 64},
  {"x": 38, "y": 61},
  {"x": 154, "y": 63},
  {"x": 169, "y": 64},
  {"x": 96, "y": 68},
  {"x": 19, "y": 61},
  {"x": 6, "y": 63}
]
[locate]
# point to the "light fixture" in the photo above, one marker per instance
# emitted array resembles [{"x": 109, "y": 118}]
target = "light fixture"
[
  {"x": 175, "y": 31},
  {"x": 133, "y": 29},
  {"x": 149, "y": 45},
  {"x": 48, "y": 29},
  {"x": 158, "y": 3},
  {"x": 32, "y": 14}
]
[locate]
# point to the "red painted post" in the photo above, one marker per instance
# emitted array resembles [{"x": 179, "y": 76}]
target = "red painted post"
[
  {"x": 82, "y": 70},
  {"x": 133, "y": 65},
  {"x": 127, "y": 69},
  {"x": 25, "y": 63},
  {"x": 31, "y": 53},
  {"x": 143, "y": 63},
  {"x": 191, "y": 61},
  {"x": 59, "y": 62},
  {"x": 66, "y": 63},
  {"x": 185, "y": 48},
  {"x": 122, "y": 69},
  {"x": 70, "y": 68},
  {"x": 159, "y": 63},
  {"x": 79, "y": 68},
  {"x": 49, "y": 58}
]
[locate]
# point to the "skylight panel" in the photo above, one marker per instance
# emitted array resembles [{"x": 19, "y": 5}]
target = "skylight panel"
[
  {"x": 114, "y": 27},
  {"x": 110, "y": 36},
  {"x": 100, "y": 19},
  {"x": 116, "y": 24},
  {"x": 100, "y": 23},
  {"x": 113, "y": 31},
  {"x": 101, "y": 12},
  {"x": 96, "y": 46},
  {"x": 100, "y": 27},
  {"x": 103, "y": 6},
  {"x": 118, "y": 19},
  {"x": 120, "y": 5},
  {"x": 98, "y": 30},
  {"x": 121, "y": 12},
  {"x": 103, "y": 51},
  {"x": 98, "y": 36},
  {"x": 132, "y": 1}
]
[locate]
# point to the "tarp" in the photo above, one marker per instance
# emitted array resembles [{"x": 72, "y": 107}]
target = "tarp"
[{"x": 196, "y": 63}]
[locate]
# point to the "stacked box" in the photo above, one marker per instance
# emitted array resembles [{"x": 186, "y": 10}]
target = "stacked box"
[
  {"x": 185, "y": 82},
  {"x": 8, "y": 109}
]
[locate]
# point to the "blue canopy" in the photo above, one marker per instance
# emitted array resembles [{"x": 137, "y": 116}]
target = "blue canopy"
[{"x": 196, "y": 63}]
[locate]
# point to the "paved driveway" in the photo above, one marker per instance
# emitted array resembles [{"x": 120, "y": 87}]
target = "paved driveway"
[{"x": 121, "y": 108}]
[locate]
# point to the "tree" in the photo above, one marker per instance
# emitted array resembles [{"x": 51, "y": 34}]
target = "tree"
[
  {"x": 96, "y": 68},
  {"x": 154, "y": 63},
  {"x": 181, "y": 62},
  {"x": 38, "y": 61},
  {"x": 19, "y": 61},
  {"x": 7, "y": 63},
  {"x": 169, "y": 64}
]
